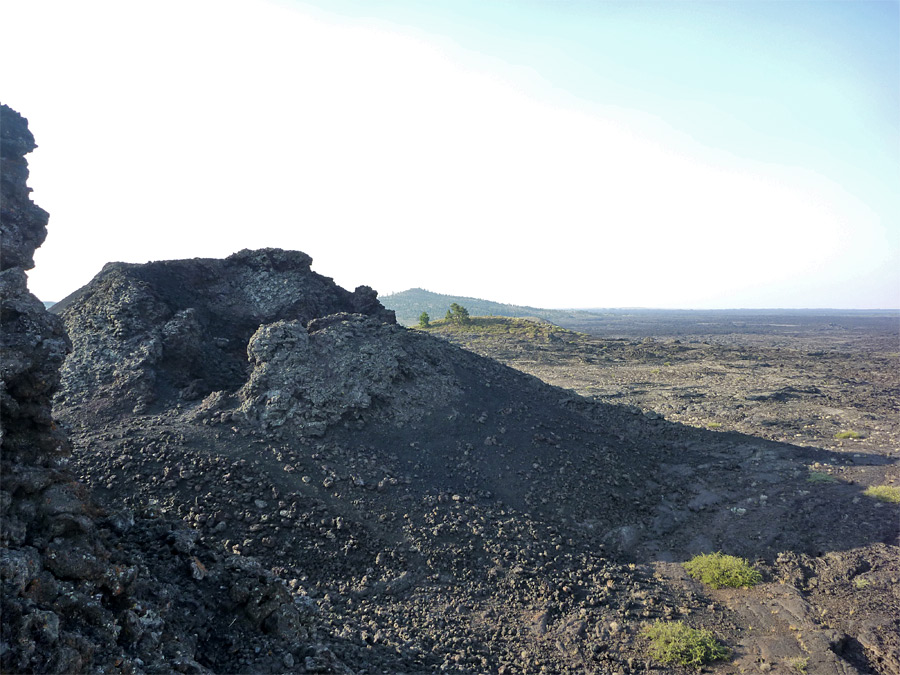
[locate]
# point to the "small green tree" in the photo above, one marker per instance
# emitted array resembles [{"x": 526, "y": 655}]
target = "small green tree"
[
  {"x": 458, "y": 314},
  {"x": 424, "y": 320}
]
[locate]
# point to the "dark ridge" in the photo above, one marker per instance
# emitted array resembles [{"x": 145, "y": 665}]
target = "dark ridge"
[{"x": 178, "y": 329}]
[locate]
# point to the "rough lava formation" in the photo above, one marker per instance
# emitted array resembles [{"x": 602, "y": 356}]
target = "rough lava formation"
[
  {"x": 33, "y": 342},
  {"x": 177, "y": 330},
  {"x": 339, "y": 368}
]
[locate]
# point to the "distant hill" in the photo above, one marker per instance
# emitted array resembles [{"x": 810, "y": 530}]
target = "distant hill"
[
  {"x": 408, "y": 305},
  {"x": 634, "y": 322}
]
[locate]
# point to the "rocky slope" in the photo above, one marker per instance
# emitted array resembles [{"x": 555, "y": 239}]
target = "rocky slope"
[{"x": 437, "y": 510}]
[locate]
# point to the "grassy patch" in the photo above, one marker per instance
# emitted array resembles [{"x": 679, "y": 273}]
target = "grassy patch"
[
  {"x": 843, "y": 435},
  {"x": 497, "y": 325},
  {"x": 799, "y": 663},
  {"x": 722, "y": 571},
  {"x": 675, "y": 642},
  {"x": 861, "y": 583},
  {"x": 714, "y": 425},
  {"x": 820, "y": 477},
  {"x": 884, "y": 493}
]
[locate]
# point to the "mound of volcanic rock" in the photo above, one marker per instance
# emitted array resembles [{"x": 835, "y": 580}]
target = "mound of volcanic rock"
[
  {"x": 462, "y": 422},
  {"x": 414, "y": 494},
  {"x": 171, "y": 331}
]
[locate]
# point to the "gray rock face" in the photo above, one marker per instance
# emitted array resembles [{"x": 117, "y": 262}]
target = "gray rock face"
[
  {"x": 32, "y": 342},
  {"x": 339, "y": 369},
  {"x": 178, "y": 330},
  {"x": 23, "y": 225}
]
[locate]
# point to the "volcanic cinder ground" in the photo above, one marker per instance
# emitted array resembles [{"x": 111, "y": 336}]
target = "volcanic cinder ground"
[{"x": 488, "y": 522}]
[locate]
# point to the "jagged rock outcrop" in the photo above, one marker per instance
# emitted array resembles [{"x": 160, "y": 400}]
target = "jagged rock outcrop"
[
  {"x": 343, "y": 367},
  {"x": 178, "y": 330},
  {"x": 23, "y": 225},
  {"x": 32, "y": 343},
  {"x": 47, "y": 537}
]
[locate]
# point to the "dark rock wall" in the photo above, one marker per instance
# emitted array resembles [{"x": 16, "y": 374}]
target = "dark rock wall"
[
  {"x": 178, "y": 330},
  {"x": 52, "y": 565},
  {"x": 23, "y": 224},
  {"x": 32, "y": 342},
  {"x": 45, "y": 533}
]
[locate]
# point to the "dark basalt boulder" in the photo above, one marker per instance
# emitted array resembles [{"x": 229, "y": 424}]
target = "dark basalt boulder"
[
  {"x": 178, "y": 330},
  {"x": 344, "y": 367}
]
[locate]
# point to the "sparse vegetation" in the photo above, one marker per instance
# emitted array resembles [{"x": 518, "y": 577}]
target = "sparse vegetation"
[
  {"x": 499, "y": 325},
  {"x": 820, "y": 477},
  {"x": 844, "y": 435},
  {"x": 722, "y": 571},
  {"x": 861, "y": 583},
  {"x": 676, "y": 642},
  {"x": 799, "y": 663},
  {"x": 457, "y": 314},
  {"x": 884, "y": 493},
  {"x": 409, "y": 304},
  {"x": 714, "y": 425}
]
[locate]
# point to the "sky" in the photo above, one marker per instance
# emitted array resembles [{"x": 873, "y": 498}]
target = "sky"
[{"x": 551, "y": 153}]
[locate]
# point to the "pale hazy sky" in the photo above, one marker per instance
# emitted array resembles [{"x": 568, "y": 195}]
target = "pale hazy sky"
[{"x": 566, "y": 153}]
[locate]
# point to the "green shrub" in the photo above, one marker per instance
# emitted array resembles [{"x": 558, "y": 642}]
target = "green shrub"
[
  {"x": 884, "y": 493},
  {"x": 820, "y": 477},
  {"x": 722, "y": 571},
  {"x": 799, "y": 663},
  {"x": 714, "y": 425},
  {"x": 842, "y": 435},
  {"x": 674, "y": 642}
]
